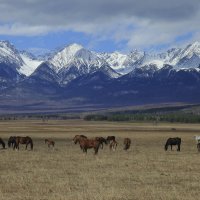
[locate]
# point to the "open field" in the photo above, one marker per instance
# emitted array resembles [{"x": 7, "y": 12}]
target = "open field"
[{"x": 146, "y": 171}]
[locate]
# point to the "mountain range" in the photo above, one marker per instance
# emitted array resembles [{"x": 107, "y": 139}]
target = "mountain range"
[{"x": 75, "y": 76}]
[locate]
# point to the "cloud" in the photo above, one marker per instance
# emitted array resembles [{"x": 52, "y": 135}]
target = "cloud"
[{"x": 140, "y": 23}]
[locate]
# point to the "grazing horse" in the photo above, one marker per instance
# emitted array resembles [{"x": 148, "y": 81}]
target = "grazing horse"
[
  {"x": 23, "y": 140},
  {"x": 101, "y": 140},
  {"x": 49, "y": 142},
  {"x": 2, "y": 143},
  {"x": 113, "y": 145},
  {"x": 127, "y": 143},
  {"x": 110, "y": 138},
  {"x": 197, "y": 138},
  {"x": 86, "y": 144},
  {"x": 173, "y": 141},
  {"x": 11, "y": 141}
]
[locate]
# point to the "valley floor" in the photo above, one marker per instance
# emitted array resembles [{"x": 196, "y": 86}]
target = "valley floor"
[{"x": 144, "y": 172}]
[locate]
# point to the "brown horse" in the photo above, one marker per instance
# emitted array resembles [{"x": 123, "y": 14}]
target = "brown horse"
[
  {"x": 49, "y": 142},
  {"x": 2, "y": 143},
  {"x": 23, "y": 140},
  {"x": 101, "y": 140},
  {"x": 86, "y": 144},
  {"x": 78, "y": 137},
  {"x": 127, "y": 143},
  {"x": 113, "y": 145},
  {"x": 110, "y": 139}
]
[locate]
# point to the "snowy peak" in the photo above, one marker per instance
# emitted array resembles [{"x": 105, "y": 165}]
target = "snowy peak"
[
  {"x": 9, "y": 55},
  {"x": 75, "y": 55}
]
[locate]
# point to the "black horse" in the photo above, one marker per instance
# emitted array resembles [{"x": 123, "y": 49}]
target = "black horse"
[
  {"x": 11, "y": 141},
  {"x": 173, "y": 141},
  {"x": 2, "y": 143}
]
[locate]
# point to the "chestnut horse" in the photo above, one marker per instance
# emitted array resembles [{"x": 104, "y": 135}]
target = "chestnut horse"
[
  {"x": 127, "y": 143},
  {"x": 23, "y": 140},
  {"x": 49, "y": 142},
  {"x": 77, "y": 137},
  {"x": 2, "y": 143},
  {"x": 86, "y": 144}
]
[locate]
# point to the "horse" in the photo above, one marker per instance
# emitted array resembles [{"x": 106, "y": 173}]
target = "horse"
[
  {"x": 86, "y": 144},
  {"x": 127, "y": 143},
  {"x": 197, "y": 138},
  {"x": 110, "y": 138},
  {"x": 11, "y": 141},
  {"x": 49, "y": 142},
  {"x": 2, "y": 143},
  {"x": 113, "y": 145},
  {"x": 77, "y": 137},
  {"x": 173, "y": 141},
  {"x": 101, "y": 140},
  {"x": 23, "y": 140}
]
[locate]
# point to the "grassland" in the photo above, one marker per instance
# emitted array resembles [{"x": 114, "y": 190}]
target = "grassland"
[{"x": 145, "y": 172}]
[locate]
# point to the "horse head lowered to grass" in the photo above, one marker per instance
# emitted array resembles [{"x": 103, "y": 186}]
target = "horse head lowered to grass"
[
  {"x": 173, "y": 141},
  {"x": 22, "y": 140}
]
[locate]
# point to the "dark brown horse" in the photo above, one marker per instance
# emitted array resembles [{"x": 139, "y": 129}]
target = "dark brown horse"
[
  {"x": 101, "y": 140},
  {"x": 127, "y": 143},
  {"x": 23, "y": 140},
  {"x": 2, "y": 143},
  {"x": 113, "y": 145},
  {"x": 49, "y": 142},
  {"x": 11, "y": 141},
  {"x": 110, "y": 139},
  {"x": 86, "y": 144}
]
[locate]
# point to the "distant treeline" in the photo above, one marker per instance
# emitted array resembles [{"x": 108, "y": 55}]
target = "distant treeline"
[
  {"x": 147, "y": 117},
  {"x": 43, "y": 117}
]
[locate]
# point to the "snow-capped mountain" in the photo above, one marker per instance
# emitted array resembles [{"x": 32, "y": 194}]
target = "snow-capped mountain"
[
  {"x": 9, "y": 54},
  {"x": 122, "y": 63},
  {"x": 74, "y": 60},
  {"x": 76, "y": 55},
  {"x": 23, "y": 62}
]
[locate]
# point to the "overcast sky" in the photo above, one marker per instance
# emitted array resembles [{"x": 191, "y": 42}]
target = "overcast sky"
[{"x": 105, "y": 25}]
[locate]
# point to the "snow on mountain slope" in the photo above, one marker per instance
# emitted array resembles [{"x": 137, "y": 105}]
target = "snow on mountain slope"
[
  {"x": 29, "y": 64},
  {"x": 122, "y": 63},
  {"x": 9, "y": 55},
  {"x": 75, "y": 55}
]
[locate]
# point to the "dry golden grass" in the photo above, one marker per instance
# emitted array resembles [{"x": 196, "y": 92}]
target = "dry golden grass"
[{"x": 146, "y": 171}]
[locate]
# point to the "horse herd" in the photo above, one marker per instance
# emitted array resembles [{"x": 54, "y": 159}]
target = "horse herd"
[{"x": 86, "y": 143}]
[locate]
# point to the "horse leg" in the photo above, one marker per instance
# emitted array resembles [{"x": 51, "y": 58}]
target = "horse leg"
[
  {"x": 171, "y": 147},
  {"x": 179, "y": 147}
]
